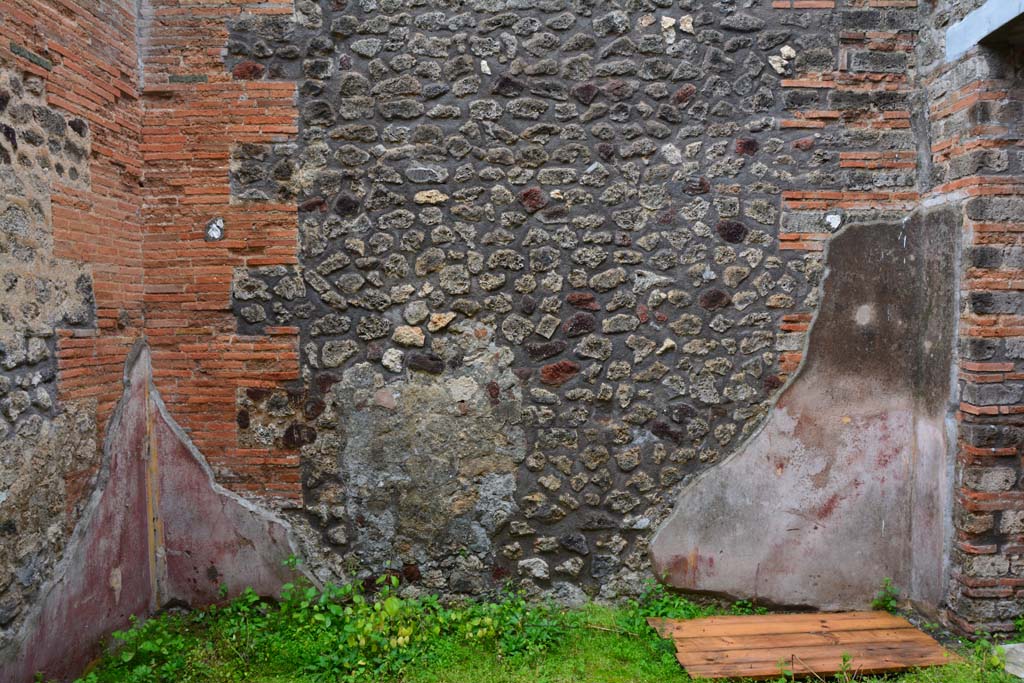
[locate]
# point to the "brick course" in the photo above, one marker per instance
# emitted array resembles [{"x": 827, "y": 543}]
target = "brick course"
[
  {"x": 976, "y": 167},
  {"x": 193, "y": 113}
]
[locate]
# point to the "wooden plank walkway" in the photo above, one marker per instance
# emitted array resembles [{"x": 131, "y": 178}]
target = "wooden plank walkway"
[{"x": 762, "y": 646}]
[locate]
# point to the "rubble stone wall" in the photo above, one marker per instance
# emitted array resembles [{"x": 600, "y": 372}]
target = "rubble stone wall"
[
  {"x": 583, "y": 238},
  {"x": 539, "y": 254},
  {"x": 70, "y": 272}
]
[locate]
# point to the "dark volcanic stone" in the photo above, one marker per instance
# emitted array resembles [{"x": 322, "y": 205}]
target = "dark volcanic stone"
[
  {"x": 256, "y": 393},
  {"x": 507, "y": 86},
  {"x": 682, "y": 412},
  {"x": 427, "y": 362},
  {"x": 683, "y": 95},
  {"x": 576, "y": 543},
  {"x": 533, "y": 199},
  {"x": 544, "y": 350},
  {"x": 584, "y": 300},
  {"x": 347, "y": 205},
  {"x": 748, "y": 146},
  {"x": 597, "y": 521},
  {"x": 318, "y": 113},
  {"x": 664, "y": 430},
  {"x": 298, "y": 435},
  {"x": 714, "y": 299},
  {"x": 603, "y": 566},
  {"x": 733, "y": 232},
  {"x": 585, "y": 92},
  {"x": 579, "y": 324},
  {"x": 9, "y": 135}
]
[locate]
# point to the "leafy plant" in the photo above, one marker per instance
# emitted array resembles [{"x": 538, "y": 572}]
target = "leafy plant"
[
  {"x": 656, "y": 601},
  {"x": 371, "y": 638},
  {"x": 786, "y": 670},
  {"x": 846, "y": 673},
  {"x": 153, "y": 652},
  {"x": 888, "y": 597},
  {"x": 745, "y": 607},
  {"x": 987, "y": 653}
]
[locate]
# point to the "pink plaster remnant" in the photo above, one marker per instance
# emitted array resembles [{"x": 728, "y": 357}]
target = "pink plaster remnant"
[{"x": 114, "y": 567}]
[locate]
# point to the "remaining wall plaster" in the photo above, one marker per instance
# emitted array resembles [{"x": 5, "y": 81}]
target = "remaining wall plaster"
[
  {"x": 848, "y": 482},
  {"x": 157, "y": 530}
]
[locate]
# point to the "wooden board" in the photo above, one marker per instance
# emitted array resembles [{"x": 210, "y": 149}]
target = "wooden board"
[{"x": 763, "y": 646}]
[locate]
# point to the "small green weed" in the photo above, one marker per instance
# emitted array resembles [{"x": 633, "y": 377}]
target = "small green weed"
[
  {"x": 888, "y": 597},
  {"x": 518, "y": 628}
]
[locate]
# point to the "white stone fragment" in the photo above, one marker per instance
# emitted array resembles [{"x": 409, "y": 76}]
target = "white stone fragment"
[
  {"x": 666, "y": 346},
  {"x": 485, "y": 67},
  {"x": 672, "y": 154},
  {"x": 668, "y": 29},
  {"x": 535, "y": 568},
  {"x": 686, "y": 24},
  {"x": 392, "y": 360},
  {"x": 777, "y": 63},
  {"x": 834, "y": 220},
  {"x": 787, "y": 52}
]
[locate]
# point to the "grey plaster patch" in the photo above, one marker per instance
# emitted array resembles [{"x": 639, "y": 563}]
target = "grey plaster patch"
[{"x": 1015, "y": 659}]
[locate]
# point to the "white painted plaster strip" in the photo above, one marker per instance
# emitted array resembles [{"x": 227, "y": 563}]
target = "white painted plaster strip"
[{"x": 973, "y": 28}]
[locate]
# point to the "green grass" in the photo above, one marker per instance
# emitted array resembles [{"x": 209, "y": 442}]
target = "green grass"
[{"x": 340, "y": 634}]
